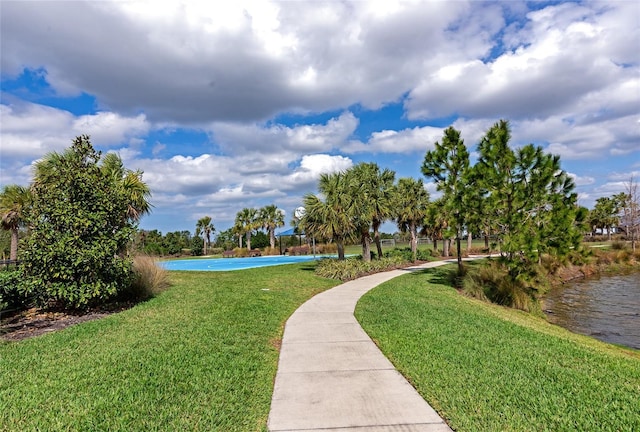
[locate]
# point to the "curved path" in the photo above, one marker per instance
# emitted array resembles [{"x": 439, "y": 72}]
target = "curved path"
[{"x": 332, "y": 377}]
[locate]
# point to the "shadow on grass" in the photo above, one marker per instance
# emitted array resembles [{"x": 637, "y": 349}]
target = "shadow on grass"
[
  {"x": 445, "y": 275},
  {"x": 310, "y": 268}
]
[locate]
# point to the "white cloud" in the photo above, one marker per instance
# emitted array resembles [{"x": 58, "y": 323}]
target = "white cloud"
[
  {"x": 197, "y": 62},
  {"x": 625, "y": 177},
  {"x": 609, "y": 189},
  {"x": 213, "y": 183},
  {"x": 237, "y": 138},
  {"x": 581, "y": 180},
  {"x": 561, "y": 59},
  {"x": 311, "y": 166},
  {"x": 32, "y": 130},
  {"x": 405, "y": 141},
  {"x": 579, "y": 138}
]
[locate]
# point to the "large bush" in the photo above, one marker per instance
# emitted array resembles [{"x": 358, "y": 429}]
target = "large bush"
[{"x": 75, "y": 255}]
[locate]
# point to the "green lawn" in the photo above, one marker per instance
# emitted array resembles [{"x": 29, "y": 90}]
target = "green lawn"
[
  {"x": 202, "y": 356},
  {"x": 488, "y": 368}
]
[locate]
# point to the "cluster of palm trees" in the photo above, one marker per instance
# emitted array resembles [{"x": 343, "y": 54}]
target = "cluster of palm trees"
[
  {"x": 355, "y": 203},
  {"x": 250, "y": 219}
]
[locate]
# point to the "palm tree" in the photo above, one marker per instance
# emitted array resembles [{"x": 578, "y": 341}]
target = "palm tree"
[
  {"x": 130, "y": 184},
  {"x": 434, "y": 223},
  {"x": 205, "y": 227},
  {"x": 271, "y": 217},
  {"x": 411, "y": 202},
  {"x": 332, "y": 217},
  {"x": 13, "y": 201},
  {"x": 246, "y": 222},
  {"x": 371, "y": 190}
]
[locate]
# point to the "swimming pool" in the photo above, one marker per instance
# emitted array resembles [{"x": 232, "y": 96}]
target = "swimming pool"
[{"x": 227, "y": 264}]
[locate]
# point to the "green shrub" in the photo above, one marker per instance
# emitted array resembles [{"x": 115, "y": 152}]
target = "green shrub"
[
  {"x": 354, "y": 268},
  {"x": 271, "y": 251},
  {"x": 240, "y": 252},
  {"x": 551, "y": 263},
  {"x": 149, "y": 279},
  {"x": 80, "y": 229},
  {"x": 196, "y": 246},
  {"x": 13, "y": 292},
  {"x": 618, "y": 245},
  {"x": 623, "y": 256},
  {"x": 215, "y": 251},
  {"x": 477, "y": 251},
  {"x": 493, "y": 282},
  {"x": 327, "y": 248},
  {"x": 580, "y": 256},
  {"x": 299, "y": 250},
  {"x": 406, "y": 254}
]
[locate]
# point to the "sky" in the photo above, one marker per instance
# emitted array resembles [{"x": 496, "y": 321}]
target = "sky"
[{"x": 227, "y": 105}]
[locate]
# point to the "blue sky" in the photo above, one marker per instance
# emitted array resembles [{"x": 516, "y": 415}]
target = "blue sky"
[{"x": 226, "y": 106}]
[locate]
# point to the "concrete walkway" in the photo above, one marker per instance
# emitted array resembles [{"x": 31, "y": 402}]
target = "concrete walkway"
[{"x": 332, "y": 377}]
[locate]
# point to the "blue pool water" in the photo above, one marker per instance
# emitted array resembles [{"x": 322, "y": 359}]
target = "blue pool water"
[{"x": 226, "y": 264}]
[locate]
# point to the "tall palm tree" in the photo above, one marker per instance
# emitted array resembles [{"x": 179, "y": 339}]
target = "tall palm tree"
[
  {"x": 205, "y": 227},
  {"x": 372, "y": 191},
  {"x": 332, "y": 217},
  {"x": 246, "y": 222},
  {"x": 13, "y": 201},
  {"x": 271, "y": 217},
  {"x": 411, "y": 204}
]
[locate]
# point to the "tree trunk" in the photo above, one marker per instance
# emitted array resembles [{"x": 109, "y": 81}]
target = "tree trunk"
[
  {"x": 340, "y": 245},
  {"x": 469, "y": 242},
  {"x": 376, "y": 238},
  {"x": 13, "y": 252},
  {"x": 445, "y": 247},
  {"x": 459, "y": 253},
  {"x": 486, "y": 241},
  {"x": 272, "y": 238},
  {"x": 414, "y": 241},
  {"x": 204, "y": 246},
  {"x": 248, "y": 238},
  {"x": 609, "y": 232},
  {"x": 366, "y": 245},
  {"x": 435, "y": 243}
]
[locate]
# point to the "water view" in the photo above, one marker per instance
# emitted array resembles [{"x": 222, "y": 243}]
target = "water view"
[{"x": 606, "y": 308}]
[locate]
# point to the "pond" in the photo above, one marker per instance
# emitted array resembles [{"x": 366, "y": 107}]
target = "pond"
[
  {"x": 227, "y": 264},
  {"x": 606, "y": 308}
]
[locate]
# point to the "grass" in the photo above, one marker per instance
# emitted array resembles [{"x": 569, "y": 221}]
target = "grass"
[
  {"x": 488, "y": 368},
  {"x": 201, "y": 356}
]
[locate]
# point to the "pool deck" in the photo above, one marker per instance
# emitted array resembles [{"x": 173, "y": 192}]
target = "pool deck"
[{"x": 332, "y": 377}]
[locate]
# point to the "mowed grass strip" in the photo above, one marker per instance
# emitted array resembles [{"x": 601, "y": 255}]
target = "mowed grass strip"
[
  {"x": 489, "y": 368},
  {"x": 200, "y": 357}
]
